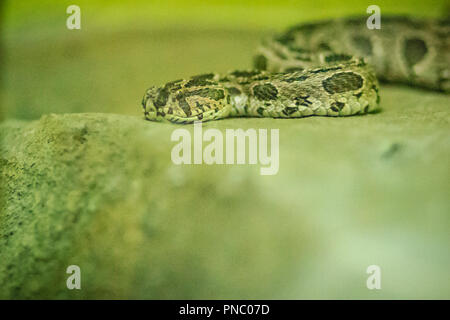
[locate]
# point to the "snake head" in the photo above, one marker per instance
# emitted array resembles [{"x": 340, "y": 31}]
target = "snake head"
[{"x": 149, "y": 105}]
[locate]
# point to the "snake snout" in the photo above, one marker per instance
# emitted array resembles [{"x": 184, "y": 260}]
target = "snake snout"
[{"x": 150, "y": 110}]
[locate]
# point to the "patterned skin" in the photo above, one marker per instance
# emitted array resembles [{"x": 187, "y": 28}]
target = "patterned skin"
[{"x": 314, "y": 69}]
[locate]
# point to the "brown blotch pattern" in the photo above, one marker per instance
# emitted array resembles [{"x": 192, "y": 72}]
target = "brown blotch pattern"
[
  {"x": 265, "y": 91},
  {"x": 342, "y": 82}
]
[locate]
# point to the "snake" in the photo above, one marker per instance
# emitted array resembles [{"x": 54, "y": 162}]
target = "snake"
[{"x": 324, "y": 68}]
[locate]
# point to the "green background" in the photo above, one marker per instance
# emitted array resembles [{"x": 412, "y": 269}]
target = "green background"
[{"x": 91, "y": 183}]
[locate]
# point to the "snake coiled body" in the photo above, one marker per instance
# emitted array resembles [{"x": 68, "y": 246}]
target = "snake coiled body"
[{"x": 328, "y": 68}]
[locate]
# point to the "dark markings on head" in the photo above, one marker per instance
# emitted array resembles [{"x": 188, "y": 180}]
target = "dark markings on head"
[
  {"x": 265, "y": 92},
  {"x": 201, "y": 80},
  {"x": 205, "y": 76},
  {"x": 415, "y": 50},
  {"x": 234, "y": 91},
  {"x": 295, "y": 79},
  {"x": 161, "y": 99},
  {"x": 325, "y": 70},
  {"x": 337, "y": 106},
  {"x": 363, "y": 44},
  {"x": 173, "y": 85},
  {"x": 198, "y": 82},
  {"x": 335, "y": 57},
  {"x": 289, "y": 110},
  {"x": 260, "y": 111},
  {"x": 342, "y": 82},
  {"x": 200, "y": 116},
  {"x": 175, "y": 88},
  {"x": 215, "y": 94},
  {"x": 260, "y": 62},
  {"x": 238, "y": 73}
]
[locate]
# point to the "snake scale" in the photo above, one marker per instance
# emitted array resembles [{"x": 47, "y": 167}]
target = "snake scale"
[{"x": 328, "y": 68}]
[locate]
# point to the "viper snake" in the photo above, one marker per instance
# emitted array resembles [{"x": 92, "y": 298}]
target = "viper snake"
[{"x": 328, "y": 68}]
